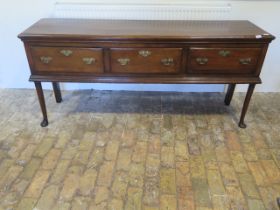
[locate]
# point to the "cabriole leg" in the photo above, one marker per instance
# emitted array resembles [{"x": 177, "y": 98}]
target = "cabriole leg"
[
  {"x": 246, "y": 104},
  {"x": 41, "y": 98},
  {"x": 57, "y": 92},
  {"x": 230, "y": 91}
]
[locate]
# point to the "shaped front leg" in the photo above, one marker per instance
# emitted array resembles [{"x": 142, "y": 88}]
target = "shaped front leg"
[
  {"x": 41, "y": 98},
  {"x": 246, "y": 104},
  {"x": 57, "y": 92},
  {"x": 230, "y": 91}
]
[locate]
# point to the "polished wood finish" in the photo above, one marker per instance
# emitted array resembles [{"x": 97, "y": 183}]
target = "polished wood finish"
[
  {"x": 230, "y": 91},
  {"x": 74, "y": 61},
  {"x": 57, "y": 92},
  {"x": 224, "y": 60},
  {"x": 246, "y": 105},
  {"x": 159, "y": 60},
  {"x": 132, "y": 51},
  {"x": 41, "y": 98}
]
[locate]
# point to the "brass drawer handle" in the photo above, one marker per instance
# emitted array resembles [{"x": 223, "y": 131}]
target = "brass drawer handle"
[
  {"x": 245, "y": 61},
  {"x": 89, "y": 61},
  {"x": 66, "y": 52},
  {"x": 145, "y": 53},
  {"x": 167, "y": 61},
  {"x": 224, "y": 53},
  {"x": 45, "y": 60},
  {"x": 123, "y": 61},
  {"x": 202, "y": 61}
]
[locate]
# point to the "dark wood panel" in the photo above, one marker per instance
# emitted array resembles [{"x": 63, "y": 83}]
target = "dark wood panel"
[
  {"x": 223, "y": 60},
  {"x": 67, "y": 59},
  {"x": 146, "y": 60},
  {"x": 143, "y": 29},
  {"x": 149, "y": 79}
]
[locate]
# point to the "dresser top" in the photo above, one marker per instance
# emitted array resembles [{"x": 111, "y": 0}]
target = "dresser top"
[{"x": 79, "y": 29}]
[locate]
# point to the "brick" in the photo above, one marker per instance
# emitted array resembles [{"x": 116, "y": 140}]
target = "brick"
[
  {"x": 139, "y": 152},
  {"x": 268, "y": 197},
  {"x": 136, "y": 175},
  {"x": 101, "y": 194},
  {"x": 80, "y": 203},
  {"x": 88, "y": 141},
  {"x": 51, "y": 159},
  {"x": 124, "y": 159},
  {"x": 16, "y": 149},
  {"x": 106, "y": 173},
  {"x": 63, "y": 138},
  {"x": 48, "y": 198},
  {"x": 167, "y": 138},
  {"x": 222, "y": 154},
  {"x": 69, "y": 152},
  {"x": 167, "y": 157},
  {"x": 228, "y": 174},
  {"x": 60, "y": 171},
  {"x": 35, "y": 188},
  {"x": 197, "y": 167},
  {"x": 238, "y": 161},
  {"x": 152, "y": 165},
  {"x": 264, "y": 154},
  {"x": 181, "y": 151},
  {"x": 81, "y": 157},
  {"x": 209, "y": 159},
  {"x": 255, "y": 204},
  {"x": 249, "y": 152},
  {"x": 248, "y": 185},
  {"x": 70, "y": 186},
  {"x": 258, "y": 173},
  {"x": 215, "y": 182},
  {"x": 26, "y": 204},
  {"x": 119, "y": 186},
  {"x": 184, "y": 203},
  {"x": 96, "y": 158},
  {"x": 4, "y": 167},
  {"x": 27, "y": 153},
  {"x": 31, "y": 168},
  {"x": 183, "y": 174},
  {"x": 128, "y": 139},
  {"x": 134, "y": 199},
  {"x": 258, "y": 139},
  {"x": 201, "y": 192},
  {"x": 62, "y": 205},
  {"x": 167, "y": 181},
  {"x": 154, "y": 145},
  {"x": 233, "y": 142},
  {"x": 10, "y": 176},
  {"x": 236, "y": 198},
  {"x": 168, "y": 202},
  {"x": 44, "y": 147},
  {"x": 87, "y": 182},
  {"x": 220, "y": 202},
  {"x": 111, "y": 151},
  {"x": 271, "y": 170},
  {"x": 115, "y": 204}
]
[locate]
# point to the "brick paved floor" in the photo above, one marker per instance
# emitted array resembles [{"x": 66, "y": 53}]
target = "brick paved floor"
[{"x": 135, "y": 150}]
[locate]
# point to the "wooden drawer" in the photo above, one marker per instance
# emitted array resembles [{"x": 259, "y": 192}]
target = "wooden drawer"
[
  {"x": 146, "y": 60},
  {"x": 223, "y": 60},
  {"x": 65, "y": 59}
]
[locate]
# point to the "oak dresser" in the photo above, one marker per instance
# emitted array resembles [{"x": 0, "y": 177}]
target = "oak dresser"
[{"x": 134, "y": 51}]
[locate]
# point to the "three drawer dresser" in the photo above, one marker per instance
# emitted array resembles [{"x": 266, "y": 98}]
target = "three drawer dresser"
[{"x": 134, "y": 51}]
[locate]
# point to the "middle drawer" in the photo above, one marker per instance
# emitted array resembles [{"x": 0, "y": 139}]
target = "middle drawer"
[{"x": 146, "y": 60}]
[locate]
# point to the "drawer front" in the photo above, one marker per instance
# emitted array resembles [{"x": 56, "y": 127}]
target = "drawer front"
[
  {"x": 146, "y": 60},
  {"x": 223, "y": 60},
  {"x": 59, "y": 59}
]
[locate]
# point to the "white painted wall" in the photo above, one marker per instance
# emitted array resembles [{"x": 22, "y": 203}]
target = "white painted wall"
[{"x": 16, "y": 15}]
